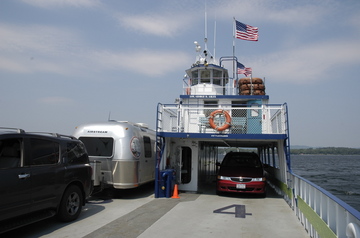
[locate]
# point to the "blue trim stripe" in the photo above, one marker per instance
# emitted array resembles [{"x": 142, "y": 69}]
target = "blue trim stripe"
[
  {"x": 223, "y": 136},
  {"x": 259, "y": 97}
]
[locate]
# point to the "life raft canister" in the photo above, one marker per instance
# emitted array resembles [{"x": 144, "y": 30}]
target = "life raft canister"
[
  {"x": 253, "y": 86},
  {"x": 227, "y": 120},
  {"x": 250, "y": 80}
]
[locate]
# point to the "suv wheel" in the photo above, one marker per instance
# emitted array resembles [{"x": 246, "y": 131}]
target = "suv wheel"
[{"x": 71, "y": 204}]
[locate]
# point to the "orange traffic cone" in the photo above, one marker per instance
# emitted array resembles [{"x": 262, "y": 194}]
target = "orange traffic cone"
[{"x": 176, "y": 192}]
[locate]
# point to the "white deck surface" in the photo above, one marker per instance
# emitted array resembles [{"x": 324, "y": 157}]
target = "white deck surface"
[{"x": 139, "y": 214}]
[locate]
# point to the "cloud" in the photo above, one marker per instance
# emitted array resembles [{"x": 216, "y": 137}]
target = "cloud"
[
  {"x": 310, "y": 63},
  {"x": 36, "y": 49},
  {"x": 39, "y": 39},
  {"x": 355, "y": 21},
  {"x": 155, "y": 24},
  {"x": 40, "y": 48},
  {"x": 56, "y": 101},
  {"x": 12, "y": 65},
  {"x": 143, "y": 61},
  {"x": 276, "y": 11},
  {"x": 62, "y": 3}
]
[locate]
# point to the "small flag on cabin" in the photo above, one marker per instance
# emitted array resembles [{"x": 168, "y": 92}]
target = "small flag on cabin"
[
  {"x": 241, "y": 69},
  {"x": 246, "y": 32}
]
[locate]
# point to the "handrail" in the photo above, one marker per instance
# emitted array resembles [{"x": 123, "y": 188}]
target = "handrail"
[
  {"x": 245, "y": 118},
  {"x": 322, "y": 213}
]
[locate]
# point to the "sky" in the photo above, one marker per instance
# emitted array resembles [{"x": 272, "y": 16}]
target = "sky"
[{"x": 64, "y": 63}]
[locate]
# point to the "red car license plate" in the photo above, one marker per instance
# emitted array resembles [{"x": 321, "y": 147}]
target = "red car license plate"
[{"x": 240, "y": 186}]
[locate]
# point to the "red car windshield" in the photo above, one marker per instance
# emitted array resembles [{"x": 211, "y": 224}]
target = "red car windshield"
[{"x": 241, "y": 160}]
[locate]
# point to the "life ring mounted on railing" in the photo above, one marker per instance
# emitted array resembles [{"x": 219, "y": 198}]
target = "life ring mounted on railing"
[{"x": 225, "y": 126}]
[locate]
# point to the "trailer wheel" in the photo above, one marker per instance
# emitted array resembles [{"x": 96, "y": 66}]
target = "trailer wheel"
[{"x": 71, "y": 204}]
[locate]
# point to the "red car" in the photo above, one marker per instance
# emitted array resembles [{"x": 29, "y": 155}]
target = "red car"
[{"x": 241, "y": 172}]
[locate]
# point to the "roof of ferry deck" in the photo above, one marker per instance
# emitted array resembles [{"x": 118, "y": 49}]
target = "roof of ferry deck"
[{"x": 65, "y": 63}]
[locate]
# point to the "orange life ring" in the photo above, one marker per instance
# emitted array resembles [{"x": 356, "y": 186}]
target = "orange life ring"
[{"x": 227, "y": 120}]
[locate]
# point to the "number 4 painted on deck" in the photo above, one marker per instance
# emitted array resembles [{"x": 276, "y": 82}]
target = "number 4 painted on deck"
[{"x": 239, "y": 210}]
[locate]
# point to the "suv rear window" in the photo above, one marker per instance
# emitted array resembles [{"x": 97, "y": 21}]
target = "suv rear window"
[
  {"x": 10, "y": 153},
  {"x": 98, "y": 146},
  {"x": 44, "y": 152},
  {"x": 76, "y": 153}
]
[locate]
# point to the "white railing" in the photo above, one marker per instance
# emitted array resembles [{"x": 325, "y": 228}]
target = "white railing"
[
  {"x": 245, "y": 119},
  {"x": 322, "y": 214}
]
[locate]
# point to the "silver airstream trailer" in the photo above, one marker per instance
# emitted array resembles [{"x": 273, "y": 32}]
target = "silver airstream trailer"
[{"x": 122, "y": 153}]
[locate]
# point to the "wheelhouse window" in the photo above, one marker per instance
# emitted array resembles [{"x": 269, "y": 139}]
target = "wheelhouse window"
[
  {"x": 217, "y": 79},
  {"x": 205, "y": 76},
  {"x": 194, "y": 77},
  {"x": 98, "y": 146}
]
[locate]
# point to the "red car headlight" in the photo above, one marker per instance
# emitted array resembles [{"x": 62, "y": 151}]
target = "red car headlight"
[{"x": 223, "y": 177}]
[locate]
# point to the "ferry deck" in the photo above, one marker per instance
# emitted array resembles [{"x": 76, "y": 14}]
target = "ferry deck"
[{"x": 136, "y": 213}]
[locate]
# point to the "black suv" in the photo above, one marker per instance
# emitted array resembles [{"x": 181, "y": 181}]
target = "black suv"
[{"x": 41, "y": 175}]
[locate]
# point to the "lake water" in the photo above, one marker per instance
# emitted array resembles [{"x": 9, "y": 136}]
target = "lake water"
[{"x": 338, "y": 174}]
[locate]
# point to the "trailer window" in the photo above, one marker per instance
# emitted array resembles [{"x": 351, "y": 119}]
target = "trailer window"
[
  {"x": 147, "y": 146},
  {"x": 98, "y": 146}
]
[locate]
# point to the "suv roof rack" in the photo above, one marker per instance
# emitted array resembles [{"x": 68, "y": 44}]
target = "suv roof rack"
[
  {"x": 18, "y": 130},
  {"x": 53, "y": 134}
]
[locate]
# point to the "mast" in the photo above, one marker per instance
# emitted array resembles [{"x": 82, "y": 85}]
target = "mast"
[
  {"x": 234, "y": 66},
  {"x": 205, "y": 39},
  {"x": 215, "y": 37}
]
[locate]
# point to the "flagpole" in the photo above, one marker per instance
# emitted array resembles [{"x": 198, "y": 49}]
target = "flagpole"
[
  {"x": 234, "y": 37},
  {"x": 234, "y": 66},
  {"x": 252, "y": 86}
]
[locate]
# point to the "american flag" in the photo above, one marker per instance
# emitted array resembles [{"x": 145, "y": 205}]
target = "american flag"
[
  {"x": 246, "y": 32},
  {"x": 241, "y": 69}
]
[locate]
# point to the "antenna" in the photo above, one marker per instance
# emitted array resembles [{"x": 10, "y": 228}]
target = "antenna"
[
  {"x": 109, "y": 116},
  {"x": 215, "y": 37},
  {"x": 205, "y": 40}
]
